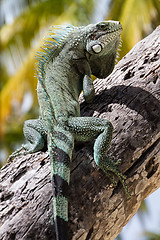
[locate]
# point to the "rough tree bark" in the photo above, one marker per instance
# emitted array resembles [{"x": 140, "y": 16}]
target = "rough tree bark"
[{"x": 130, "y": 99}]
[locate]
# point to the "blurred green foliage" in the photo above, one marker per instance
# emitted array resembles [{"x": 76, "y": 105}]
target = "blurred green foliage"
[{"x": 152, "y": 236}]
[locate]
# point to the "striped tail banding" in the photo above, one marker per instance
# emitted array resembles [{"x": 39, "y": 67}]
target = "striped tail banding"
[
  {"x": 60, "y": 146},
  {"x": 60, "y": 175}
]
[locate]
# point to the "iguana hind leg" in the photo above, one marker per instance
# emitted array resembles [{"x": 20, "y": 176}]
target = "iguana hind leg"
[
  {"x": 36, "y": 138},
  {"x": 89, "y": 128}
]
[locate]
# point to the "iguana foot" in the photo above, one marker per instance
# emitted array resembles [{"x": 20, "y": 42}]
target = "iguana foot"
[
  {"x": 109, "y": 166},
  {"x": 15, "y": 154}
]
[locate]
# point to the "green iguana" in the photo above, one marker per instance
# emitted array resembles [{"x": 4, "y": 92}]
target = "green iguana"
[{"x": 67, "y": 59}]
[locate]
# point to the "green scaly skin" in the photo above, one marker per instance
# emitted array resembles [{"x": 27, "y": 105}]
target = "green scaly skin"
[{"x": 68, "y": 58}]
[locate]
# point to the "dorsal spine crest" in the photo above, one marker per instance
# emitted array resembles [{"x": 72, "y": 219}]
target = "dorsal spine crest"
[
  {"x": 51, "y": 43},
  {"x": 51, "y": 46}
]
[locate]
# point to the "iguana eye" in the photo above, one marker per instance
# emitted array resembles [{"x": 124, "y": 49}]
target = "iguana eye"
[{"x": 101, "y": 26}]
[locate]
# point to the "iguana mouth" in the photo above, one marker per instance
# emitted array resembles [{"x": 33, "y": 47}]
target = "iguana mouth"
[
  {"x": 106, "y": 37},
  {"x": 118, "y": 31}
]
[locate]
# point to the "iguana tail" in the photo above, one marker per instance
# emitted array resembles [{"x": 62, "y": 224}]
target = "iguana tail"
[{"x": 60, "y": 150}]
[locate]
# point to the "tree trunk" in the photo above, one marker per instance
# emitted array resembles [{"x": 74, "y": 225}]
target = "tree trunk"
[{"x": 130, "y": 99}]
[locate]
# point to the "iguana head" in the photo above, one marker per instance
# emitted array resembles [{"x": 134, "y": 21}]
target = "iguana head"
[{"x": 102, "y": 41}]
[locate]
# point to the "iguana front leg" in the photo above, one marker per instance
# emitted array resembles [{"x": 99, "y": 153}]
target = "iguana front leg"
[{"x": 88, "y": 87}]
